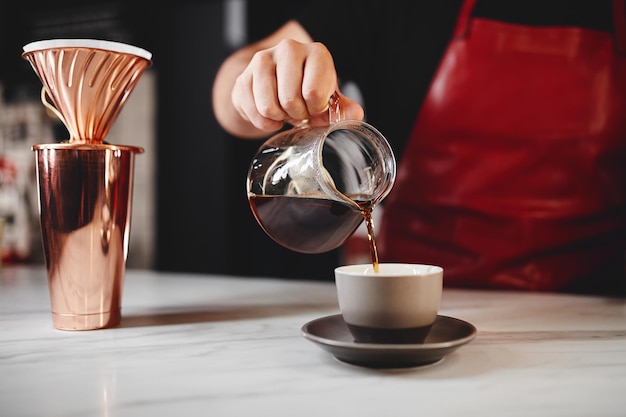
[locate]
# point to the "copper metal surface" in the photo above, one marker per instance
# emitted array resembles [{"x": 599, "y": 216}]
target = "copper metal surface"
[
  {"x": 87, "y": 86},
  {"x": 85, "y": 196},
  {"x": 85, "y": 185}
]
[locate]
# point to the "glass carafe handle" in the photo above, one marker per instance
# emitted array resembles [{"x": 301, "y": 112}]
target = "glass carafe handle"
[
  {"x": 334, "y": 109},
  {"x": 334, "y": 112}
]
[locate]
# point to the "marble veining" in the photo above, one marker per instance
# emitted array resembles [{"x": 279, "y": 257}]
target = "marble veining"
[{"x": 200, "y": 345}]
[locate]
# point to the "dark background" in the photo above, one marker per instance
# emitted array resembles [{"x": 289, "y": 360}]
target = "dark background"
[{"x": 204, "y": 223}]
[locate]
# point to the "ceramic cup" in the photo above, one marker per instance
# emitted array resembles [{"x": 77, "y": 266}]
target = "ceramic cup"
[{"x": 397, "y": 304}]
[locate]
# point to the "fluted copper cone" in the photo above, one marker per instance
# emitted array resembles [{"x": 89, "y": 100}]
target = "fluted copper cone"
[{"x": 88, "y": 81}]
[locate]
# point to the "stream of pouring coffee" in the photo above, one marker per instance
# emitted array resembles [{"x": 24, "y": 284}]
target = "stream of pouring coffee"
[{"x": 369, "y": 222}]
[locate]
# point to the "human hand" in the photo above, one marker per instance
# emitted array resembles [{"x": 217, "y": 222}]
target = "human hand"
[{"x": 289, "y": 82}]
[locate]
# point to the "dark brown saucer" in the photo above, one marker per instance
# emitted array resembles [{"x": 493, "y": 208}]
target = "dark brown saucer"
[{"x": 331, "y": 334}]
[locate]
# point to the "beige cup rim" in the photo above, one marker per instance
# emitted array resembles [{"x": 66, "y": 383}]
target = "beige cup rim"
[{"x": 386, "y": 269}]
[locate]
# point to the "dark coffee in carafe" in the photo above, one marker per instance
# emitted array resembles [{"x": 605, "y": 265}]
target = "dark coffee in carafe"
[{"x": 311, "y": 187}]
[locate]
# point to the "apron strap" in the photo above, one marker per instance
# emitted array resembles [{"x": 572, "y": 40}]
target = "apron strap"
[
  {"x": 619, "y": 24},
  {"x": 463, "y": 22}
]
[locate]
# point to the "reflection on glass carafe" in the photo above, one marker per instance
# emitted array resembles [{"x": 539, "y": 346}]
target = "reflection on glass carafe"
[{"x": 311, "y": 187}]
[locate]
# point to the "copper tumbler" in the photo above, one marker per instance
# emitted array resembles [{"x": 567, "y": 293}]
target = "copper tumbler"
[{"x": 85, "y": 195}]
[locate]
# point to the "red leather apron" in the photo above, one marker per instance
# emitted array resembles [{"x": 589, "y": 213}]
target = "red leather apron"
[{"x": 515, "y": 173}]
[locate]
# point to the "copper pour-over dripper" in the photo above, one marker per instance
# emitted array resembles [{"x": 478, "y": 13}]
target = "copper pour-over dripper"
[{"x": 85, "y": 184}]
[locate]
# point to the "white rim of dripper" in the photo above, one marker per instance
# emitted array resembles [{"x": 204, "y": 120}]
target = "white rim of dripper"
[{"x": 88, "y": 43}]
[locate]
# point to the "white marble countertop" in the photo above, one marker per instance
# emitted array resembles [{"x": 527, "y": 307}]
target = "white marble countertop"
[{"x": 194, "y": 345}]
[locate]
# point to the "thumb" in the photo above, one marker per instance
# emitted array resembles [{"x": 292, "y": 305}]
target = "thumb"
[{"x": 351, "y": 109}]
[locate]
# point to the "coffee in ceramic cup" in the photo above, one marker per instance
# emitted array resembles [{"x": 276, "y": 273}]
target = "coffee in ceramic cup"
[{"x": 397, "y": 304}]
